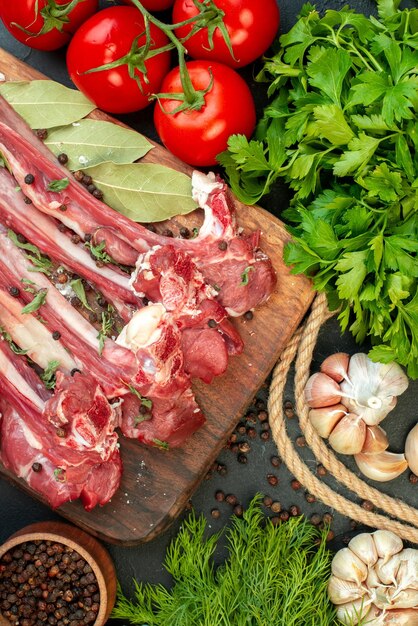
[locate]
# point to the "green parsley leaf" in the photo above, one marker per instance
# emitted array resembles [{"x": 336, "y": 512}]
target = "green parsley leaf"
[
  {"x": 58, "y": 185},
  {"x": 36, "y": 303}
]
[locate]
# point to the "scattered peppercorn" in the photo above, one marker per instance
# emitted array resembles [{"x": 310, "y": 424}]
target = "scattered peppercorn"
[
  {"x": 413, "y": 478},
  {"x": 242, "y": 459},
  {"x": 294, "y": 510},
  {"x": 272, "y": 480},
  {"x": 42, "y": 133},
  {"x": 215, "y": 513},
  {"x": 219, "y": 495},
  {"x": 244, "y": 447},
  {"x": 327, "y": 518},
  {"x": 62, "y": 158},
  {"x": 276, "y": 507},
  {"x": 27, "y": 200},
  {"x": 301, "y": 441},
  {"x": 62, "y": 278},
  {"x": 212, "y": 323},
  {"x": 248, "y": 315},
  {"x": 36, "y": 467},
  {"x": 267, "y": 501},
  {"x": 14, "y": 291},
  {"x": 284, "y": 516},
  {"x": 222, "y": 245},
  {"x": 315, "y": 519},
  {"x": 367, "y": 505},
  {"x": 63, "y": 207},
  {"x": 29, "y": 179},
  {"x": 184, "y": 232},
  {"x": 238, "y": 510},
  {"x": 309, "y": 497},
  {"x": 231, "y": 499},
  {"x": 275, "y": 461},
  {"x": 251, "y": 432},
  {"x": 87, "y": 180},
  {"x": 60, "y": 432},
  {"x": 167, "y": 232},
  {"x": 98, "y": 194},
  {"x": 321, "y": 470},
  {"x": 262, "y": 416},
  {"x": 56, "y": 335},
  {"x": 74, "y": 371},
  {"x": 222, "y": 469},
  {"x": 79, "y": 175},
  {"x": 265, "y": 435}
]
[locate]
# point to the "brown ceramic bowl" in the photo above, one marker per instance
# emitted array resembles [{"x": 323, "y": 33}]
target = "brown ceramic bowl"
[{"x": 89, "y": 549}]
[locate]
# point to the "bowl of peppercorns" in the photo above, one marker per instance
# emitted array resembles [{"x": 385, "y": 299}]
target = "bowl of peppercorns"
[{"x": 55, "y": 574}]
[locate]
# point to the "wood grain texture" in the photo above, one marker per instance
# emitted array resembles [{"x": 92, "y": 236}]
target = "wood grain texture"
[{"x": 156, "y": 484}]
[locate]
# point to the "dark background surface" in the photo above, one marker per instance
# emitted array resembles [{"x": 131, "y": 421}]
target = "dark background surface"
[{"x": 232, "y": 476}]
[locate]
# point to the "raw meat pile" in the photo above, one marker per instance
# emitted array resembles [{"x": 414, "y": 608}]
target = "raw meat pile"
[{"x": 172, "y": 297}]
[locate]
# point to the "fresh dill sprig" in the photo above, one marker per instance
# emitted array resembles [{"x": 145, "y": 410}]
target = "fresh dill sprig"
[
  {"x": 106, "y": 326},
  {"x": 272, "y": 575}
]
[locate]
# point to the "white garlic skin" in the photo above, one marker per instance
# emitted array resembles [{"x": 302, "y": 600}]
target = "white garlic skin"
[
  {"x": 348, "y": 566},
  {"x": 411, "y": 449},
  {"x": 387, "y": 543},
  {"x": 324, "y": 419},
  {"x": 382, "y": 466},
  {"x": 397, "y": 617},
  {"x": 352, "y": 612},
  {"x": 341, "y": 591},
  {"x": 364, "y": 547}
]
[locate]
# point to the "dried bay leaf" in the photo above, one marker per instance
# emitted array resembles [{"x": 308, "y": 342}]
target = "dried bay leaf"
[
  {"x": 45, "y": 103},
  {"x": 144, "y": 192},
  {"x": 90, "y": 142}
]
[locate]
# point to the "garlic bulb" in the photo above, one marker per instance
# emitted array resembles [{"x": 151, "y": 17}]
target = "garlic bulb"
[
  {"x": 388, "y": 593},
  {"x": 381, "y": 466},
  {"x": 348, "y": 398},
  {"x": 411, "y": 449}
]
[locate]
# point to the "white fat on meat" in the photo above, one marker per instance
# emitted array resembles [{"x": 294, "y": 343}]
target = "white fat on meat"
[{"x": 143, "y": 329}]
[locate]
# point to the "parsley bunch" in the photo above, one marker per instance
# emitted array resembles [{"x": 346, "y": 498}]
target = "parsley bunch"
[{"x": 341, "y": 130}]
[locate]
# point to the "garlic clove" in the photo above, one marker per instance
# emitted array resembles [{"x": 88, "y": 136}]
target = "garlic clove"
[
  {"x": 405, "y": 599},
  {"x": 349, "y": 435},
  {"x": 336, "y": 366},
  {"x": 382, "y": 466},
  {"x": 348, "y": 566},
  {"x": 387, "y": 543},
  {"x": 397, "y": 617},
  {"x": 325, "y": 418},
  {"x": 372, "y": 580},
  {"x": 392, "y": 379},
  {"x": 364, "y": 547},
  {"x": 411, "y": 449},
  {"x": 387, "y": 569},
  {"x": 353, "y": 612},
  {"x": 341, "y": 591},
  {"x": 376, "y": 440},
  {"x": 321, "y": 390},
  {"x": 407, "y": 574}
]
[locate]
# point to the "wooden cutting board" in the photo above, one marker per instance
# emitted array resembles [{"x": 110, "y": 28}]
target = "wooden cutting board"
[{"x": 156, "y": 484}]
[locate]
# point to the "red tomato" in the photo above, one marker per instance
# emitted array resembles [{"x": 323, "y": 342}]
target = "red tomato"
[
  {"x": 153, "y": 5},
  {"x": 104, "y": 38},
  {"x": 39, "y": 19},
  {"x": 197, "y": 136},
  {"x": 251, "y": 24}
]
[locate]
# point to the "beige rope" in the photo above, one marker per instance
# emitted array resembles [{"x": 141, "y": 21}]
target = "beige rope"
[{"x": 303, "y": 343}]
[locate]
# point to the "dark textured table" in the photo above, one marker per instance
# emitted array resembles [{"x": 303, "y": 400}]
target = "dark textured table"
[{"x": 242, "y": 475}]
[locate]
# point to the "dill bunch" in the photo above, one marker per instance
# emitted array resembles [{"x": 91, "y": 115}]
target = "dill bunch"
[{"x": 272, "y": 576}]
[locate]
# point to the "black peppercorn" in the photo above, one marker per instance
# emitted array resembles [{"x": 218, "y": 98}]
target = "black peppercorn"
[
  {"x": 222, "y": 245},
  {"x": 29, "y": 179},
  {"x": 184, "y": 232},
  {"x": 248, "y": 315},
  {"x": 14, "y": 291},
  {"x": 42, "y": 133},
  {"x": 212, "y": 323},
  {"x": 56, "y": 335},
  {"x": 36, "y": 467},
  {"x": 62, "y": 158}
]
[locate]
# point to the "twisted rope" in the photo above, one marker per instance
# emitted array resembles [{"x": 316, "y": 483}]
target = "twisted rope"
[{"x": 302, "y": 344}]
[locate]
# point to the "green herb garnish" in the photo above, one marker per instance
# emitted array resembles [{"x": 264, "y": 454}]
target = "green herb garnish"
[
  {"x": 37, "y": 302},
  {"x": 13, "y": 346},
  {"x": 40, "y": 262},
  {"x": 78, "y": 288},
  {"x": 245, "y": 276},
  {"x": 59, "y": 475},
  {"x": 272, "y": 575},
  {"x": 48, "y": 375},
  {"x": 99, "y": 252},
  {"x": 106, "y": 327},
  {"x": 144, "y": 401},
  {"x": 163, "y": 445},
  {"x": 341, "y": 130},
  {"x": 58, "y": 185}
]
